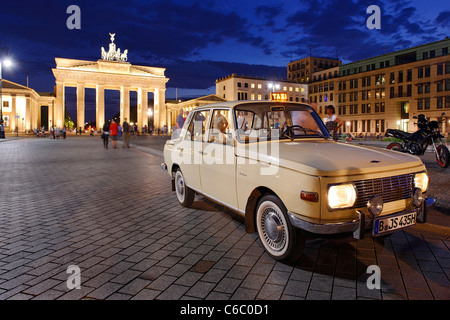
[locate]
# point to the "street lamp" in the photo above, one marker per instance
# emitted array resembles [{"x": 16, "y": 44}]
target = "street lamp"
[{"x": 7, "y": 63}]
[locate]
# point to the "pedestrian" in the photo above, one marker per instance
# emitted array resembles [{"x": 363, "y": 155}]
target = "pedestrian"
[
  {"x": 64, "y": 132},
  {"x": 126, "y": 134},
  {"x": 113, "y": 132},
  {"x": 333, "y": 123},
  {"x": 52, "y": 132},
  {"x": 105, "y": 134},
  {"x": 2, "y": 131},
  {"x": 120, "y": 130},
  {"x": 180, "y": 120}
]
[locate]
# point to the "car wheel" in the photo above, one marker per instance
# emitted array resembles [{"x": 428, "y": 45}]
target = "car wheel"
[
  {"x": 185, "y": 195},
  {"x": 281, "y": 240}
]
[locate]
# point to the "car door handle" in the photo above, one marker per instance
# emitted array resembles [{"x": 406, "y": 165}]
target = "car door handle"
[
  {"x": 203, "y": 153},
  {"x": 180, "y": 149}
]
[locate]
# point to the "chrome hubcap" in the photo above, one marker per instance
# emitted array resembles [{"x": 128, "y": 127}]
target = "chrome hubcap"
[
  {"x": 273, "y": 229},
  {"x": 180, "y": 186}
]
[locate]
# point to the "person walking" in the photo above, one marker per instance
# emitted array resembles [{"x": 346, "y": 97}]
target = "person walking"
[
  {"x": 113, "y": 132},
  {"x": 105, "y": 135},
  {"x": 126, "y": 134},
  {"x": 2, "y": 131}
]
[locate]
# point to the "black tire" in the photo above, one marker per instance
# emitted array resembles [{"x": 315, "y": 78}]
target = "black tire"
[
  {"x": 280, "y": 239},
  {"x": 442, "y": 156},
  {"x": 185, "y": 195},
  {"x": 394, "y": 146}
]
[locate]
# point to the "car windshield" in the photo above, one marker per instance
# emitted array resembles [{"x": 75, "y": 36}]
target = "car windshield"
[{"x": 276, "y": 121}]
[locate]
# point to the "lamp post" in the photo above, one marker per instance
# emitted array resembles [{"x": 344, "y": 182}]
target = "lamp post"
[{"x": 7, "y": 63}]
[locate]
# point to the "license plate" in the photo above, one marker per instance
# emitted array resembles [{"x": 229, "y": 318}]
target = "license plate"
[{"x": 393, "y": 223}]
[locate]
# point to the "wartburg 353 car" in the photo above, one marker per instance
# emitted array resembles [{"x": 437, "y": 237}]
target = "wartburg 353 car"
[{"x": 275, "y": 164}]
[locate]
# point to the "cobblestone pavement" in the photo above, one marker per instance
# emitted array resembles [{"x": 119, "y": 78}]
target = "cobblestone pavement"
[{"x": 112, "y": 213}]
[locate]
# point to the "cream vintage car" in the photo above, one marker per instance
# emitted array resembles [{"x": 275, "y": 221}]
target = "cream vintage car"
[{"x": 275, "y": 164}]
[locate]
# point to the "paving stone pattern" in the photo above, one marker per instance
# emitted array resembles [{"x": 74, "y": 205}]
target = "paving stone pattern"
[{"x": 112, "y": 213}]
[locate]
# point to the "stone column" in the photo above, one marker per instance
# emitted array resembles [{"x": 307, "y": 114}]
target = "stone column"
[
  {"x": 124, "y": 104},
  {"x": 160, "y": 117},
  {"x": 12, "y": 118},
  {"x": 27, "y": 116},
  {"x": 100, "y": 108},
  {"x": 142, "y": 108},
  {"x": 50, "y": 116},
  {"x": 58, "y": 120},
  {"x": 80, "y": 106},
  {"x": 162, "y": 108}
]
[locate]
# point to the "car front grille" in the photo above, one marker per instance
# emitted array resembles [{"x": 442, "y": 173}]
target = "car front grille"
[{"x": 389, "y": 188}]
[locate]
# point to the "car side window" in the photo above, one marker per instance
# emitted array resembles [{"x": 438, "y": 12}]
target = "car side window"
[
  {"x": 220, "y": 128},
  {"x": 197, "y": 126}
]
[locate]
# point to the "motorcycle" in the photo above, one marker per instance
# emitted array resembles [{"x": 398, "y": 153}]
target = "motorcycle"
[{"x": 417, "y": 143}]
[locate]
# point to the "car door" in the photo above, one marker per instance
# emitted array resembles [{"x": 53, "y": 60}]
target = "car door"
[
  {"x": 218, "y": 168},
  {"x": 189, "y": 151}
]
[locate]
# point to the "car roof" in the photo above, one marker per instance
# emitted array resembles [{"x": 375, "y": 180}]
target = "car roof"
[{"x": 232, "y": 104}]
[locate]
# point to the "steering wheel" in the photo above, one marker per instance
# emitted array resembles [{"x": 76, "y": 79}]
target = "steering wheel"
[{"x": 289, "y": 131}]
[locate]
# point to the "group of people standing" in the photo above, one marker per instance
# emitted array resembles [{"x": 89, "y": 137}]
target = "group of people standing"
[{"x": 111, "y": 129}]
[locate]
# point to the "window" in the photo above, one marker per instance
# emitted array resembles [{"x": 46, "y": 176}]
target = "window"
[
  {"x": 440, "y": 86},
  {"x": 242, "y": 95},
  {"x": 239, "y": 84},
  {"x": 220, "y": 127},
  {"x": 196, "y": 129},
  {"x": 427, "y": 71},
  {"x": 444, "y": 51},
  {"x": 440, "y": 102},
  {"x": 420, "y": 104},
  {"x": 440, "y": 69},
  {"x": 392, "y": 92},
  {"x": 409, "y": 75},
  {"x": 400, "y": 76},
  {"x": 392, "y": 78},
  {"x": 420, "y": 89},
  {"x": 427, "y": 103},
  {"x": 408, "y": 90},
  {"x": 420, "y": 72},
  {"x": 259, "y": 86}
]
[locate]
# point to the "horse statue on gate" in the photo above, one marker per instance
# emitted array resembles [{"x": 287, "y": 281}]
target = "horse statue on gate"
[{"x": 112, "y": 54}]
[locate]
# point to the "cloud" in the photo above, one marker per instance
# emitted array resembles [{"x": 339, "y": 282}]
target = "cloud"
[{"x": 443, "y": 18}]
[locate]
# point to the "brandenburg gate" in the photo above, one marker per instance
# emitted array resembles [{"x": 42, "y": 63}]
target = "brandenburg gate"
[{"x": 112, "y": 72}]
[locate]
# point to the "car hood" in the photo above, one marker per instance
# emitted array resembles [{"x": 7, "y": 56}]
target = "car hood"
[{"x": 328, "y": 158}]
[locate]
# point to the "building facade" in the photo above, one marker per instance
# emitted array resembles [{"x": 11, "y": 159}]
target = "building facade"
[
  {"x": 234, "y": 87},
  {"x": 388, "y": 91},
  {"x": 23, "y": 109},
  {"x": 302, "y": 70}
]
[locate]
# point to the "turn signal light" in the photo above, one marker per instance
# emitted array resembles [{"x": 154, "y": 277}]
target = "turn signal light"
[{"x": 309, "y": 196}]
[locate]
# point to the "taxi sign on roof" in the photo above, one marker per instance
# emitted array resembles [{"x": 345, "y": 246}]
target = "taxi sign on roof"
[{"x": 278, "y": 96}]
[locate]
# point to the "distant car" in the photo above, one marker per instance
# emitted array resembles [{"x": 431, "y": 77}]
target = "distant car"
[{"x": 275, "y": 164}]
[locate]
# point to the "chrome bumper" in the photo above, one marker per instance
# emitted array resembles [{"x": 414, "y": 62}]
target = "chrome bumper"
[{"x": 357, "y": 226}]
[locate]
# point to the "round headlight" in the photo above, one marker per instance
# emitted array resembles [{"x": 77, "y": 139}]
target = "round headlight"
[
  {"x": 417, "y": 197},
  {"x": 375, "y": 205},
  {"x": 341, "y": 196}
]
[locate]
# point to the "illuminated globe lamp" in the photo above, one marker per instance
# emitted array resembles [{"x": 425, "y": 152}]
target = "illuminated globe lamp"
[{"x": 7, "y": 63}]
